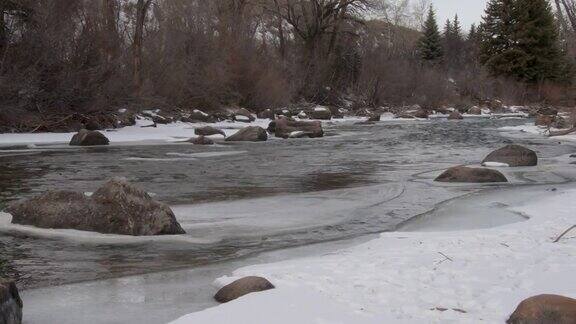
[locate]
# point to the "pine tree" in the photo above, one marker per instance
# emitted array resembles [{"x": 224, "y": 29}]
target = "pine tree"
[
  {"x": 497, "y": 36},
  {"x": 457, "y": 29},
  {"x": 430, "y": 45},
  {"x": 537, "y": 37},
  {"x": 519, "y": 39}
]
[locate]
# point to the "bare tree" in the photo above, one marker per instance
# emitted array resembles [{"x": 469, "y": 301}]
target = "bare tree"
[{"x": 142, "y": 7}]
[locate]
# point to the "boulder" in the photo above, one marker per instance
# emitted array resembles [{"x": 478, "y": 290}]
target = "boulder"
[
  {"x": 89, "y": 138},
  {"x": 266, "y": 114},
  {"x": 249, "y": 134},
  {"x": 284, "y": 127},
  {"x": 197, "y": 116},
  {"x": 455, "y": 115},
  {"x": 514, "y": 156},
  {"x": 201, "y": 140},
  {"x": 374, "y": 118},
  {"x": 471, "y": 175},
  {"x": 545, "y": 120},
  {"x": 321, "y": 113},
  {"x": 475, "y": 111},
  {"x": 208, "y": 131},
  {"x": 10, "y": 303},
  {"x": 421, "y": 113},
  {"x": 241, "y": 288},
  {"x": 243, "y": 115},
  {"x": 545, "y": 309},
  {"x": 115, "y": 208},
  {"x": 548, "y": 111}
]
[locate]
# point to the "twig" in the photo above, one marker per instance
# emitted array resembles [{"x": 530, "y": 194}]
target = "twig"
[
  {"x": 565, "y": 232},
  {"x": 447, "y": 257},
  {"x": 562, "y": 132}
]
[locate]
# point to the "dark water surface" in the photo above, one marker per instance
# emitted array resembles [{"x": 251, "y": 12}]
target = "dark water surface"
[{"x": 238, "y": 199}]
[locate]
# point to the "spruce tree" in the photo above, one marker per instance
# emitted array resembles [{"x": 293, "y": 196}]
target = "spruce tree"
[
  {"x": 537, "y": 37},
  {"x": 430, "y": 45},
  {"x": 497, "y": 36},
  {"x": 519, "y": 39},
  {"x": 457, "y": 29}
]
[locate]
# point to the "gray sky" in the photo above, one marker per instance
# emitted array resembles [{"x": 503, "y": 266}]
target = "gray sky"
[{"x": 469, "y": 11}]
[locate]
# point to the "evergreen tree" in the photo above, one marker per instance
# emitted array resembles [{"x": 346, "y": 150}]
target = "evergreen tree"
[
  {"x": 430, "y": 45},
  {"x": 497, "y": 36},
  {"x": 457, "y": 29},
  {"x": 538, "y": 40},
  {"x": 519, "y": 39}
]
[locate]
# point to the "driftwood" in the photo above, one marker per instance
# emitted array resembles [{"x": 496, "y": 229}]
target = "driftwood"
[
  {"x": 562, "y": 132},
  {"x": 563, "y": 234}
]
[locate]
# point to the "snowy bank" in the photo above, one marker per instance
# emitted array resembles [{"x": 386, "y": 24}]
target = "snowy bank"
[{"x": 420, "y": 277}]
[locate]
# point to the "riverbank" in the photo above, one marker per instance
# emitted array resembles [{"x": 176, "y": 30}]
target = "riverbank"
[{"x": 448, "y": 276}]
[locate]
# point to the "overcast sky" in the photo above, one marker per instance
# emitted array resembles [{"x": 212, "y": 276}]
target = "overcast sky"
[{"x": 469, "y": 11}]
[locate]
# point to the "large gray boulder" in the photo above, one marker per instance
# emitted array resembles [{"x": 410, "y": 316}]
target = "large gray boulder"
[
  {"x": 285, "y": 128},
  {"x": 241, "y": 288},
  {"x": 89, "y": 138},
  {"x": 471, "y": 175},
  {"x": 208, "y": 131},
  {"x": 514, "y": 156},
  {"x": 249, "y": 134},
  {"x": 115, "y": 208},
  {"x": 545, "y": 309},
  {"x": 10, "y": 303}
]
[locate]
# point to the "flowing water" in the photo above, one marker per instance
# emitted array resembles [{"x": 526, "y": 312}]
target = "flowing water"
[{"x": 237, "y": 200}]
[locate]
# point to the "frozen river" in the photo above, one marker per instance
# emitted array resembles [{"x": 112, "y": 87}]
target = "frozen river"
[{"x": 238, "y": 204}]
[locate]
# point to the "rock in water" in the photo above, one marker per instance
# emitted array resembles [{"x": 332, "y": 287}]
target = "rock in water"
[
  {"x": 201, "y": 140},
  {"x": 320, "y": 112},
  {"x": 89, "y": 138},
  {"x": 242, "y": 287},
  {"x": 208, "y": 131},
  {"x": 10, "y": 303},
  {"x": 475, "y": 111},
  {"x": 455, "y": 115},
  {"x": 471, "y": 175},
  {"x": 514, "y": 156},
  {"x": 266, "y": 114},
  {"x": 249, "y": 134},
  {"x": 545, "y": 309},
  {"x": 374, "y": 118},
  {"x": 284, "y": 127},
  {"x": 116, "y": 208}
]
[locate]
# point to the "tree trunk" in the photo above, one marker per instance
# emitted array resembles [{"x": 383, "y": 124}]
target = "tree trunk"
[
  {"x": 110, "y": 36},
  {"x": 141, "y": 11}
]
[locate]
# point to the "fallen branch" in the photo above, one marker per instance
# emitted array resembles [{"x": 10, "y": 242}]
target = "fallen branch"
[
  {"x": 447, "y": 257},
  {"x": 562, "y": 132},
  {"x": 563, "y": 234}
]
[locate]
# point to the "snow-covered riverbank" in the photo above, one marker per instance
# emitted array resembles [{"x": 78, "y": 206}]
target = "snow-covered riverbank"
[{"x": 421, "y": 277}]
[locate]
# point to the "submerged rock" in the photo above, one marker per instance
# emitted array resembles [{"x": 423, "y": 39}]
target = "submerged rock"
[
  {"x": 249, "y": 134},
  {"x": 545, "y": 309},
  {"x": 208, "y": 131},
  {"x": 89, "y": 138},
  {"x": 471, "y": 175},
  {"x": 514, "y": 156},
  {"x": 284, "y": 127},
  {"x": 241, "y": 288},
  {"x": 115, "y": 208},
  {"x": 10, "y": 303}
]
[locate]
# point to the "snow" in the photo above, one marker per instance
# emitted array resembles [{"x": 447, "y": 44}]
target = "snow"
[
  {"x": 478, "y": 274},
  {"x": 320, "y": 108},
  {"x": 173, "y": 132},
  {"x": 495, "y": 164}
]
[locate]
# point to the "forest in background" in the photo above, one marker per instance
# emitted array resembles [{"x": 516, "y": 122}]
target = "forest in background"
[{"x": 84, "y": 57}]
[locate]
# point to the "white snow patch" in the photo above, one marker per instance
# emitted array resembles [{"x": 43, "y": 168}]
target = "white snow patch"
[
  {"x": 402, "y": 277},
  {"x": 496, "y": 164}
]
